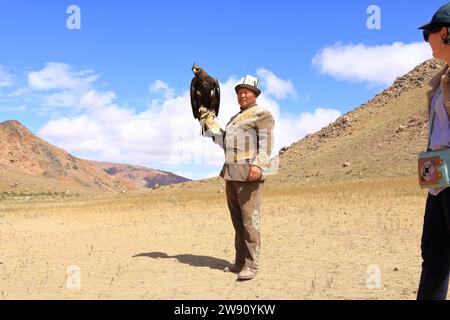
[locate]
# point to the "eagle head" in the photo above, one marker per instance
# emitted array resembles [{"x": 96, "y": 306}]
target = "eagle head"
[{"x": 196, "y": 69}]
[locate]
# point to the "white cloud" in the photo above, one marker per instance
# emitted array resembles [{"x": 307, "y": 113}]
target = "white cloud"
[
  {"x": 161, "y": 86},
  {"x": 59, "y": 85},
  {"x": 95, "y": 99},
  {"x": 64, "y": 98},
  {"x": 166, "y": 133},
  {"x": 305, "y": 123},
  {"x": 380, "y": 64},
  {"x": 79, "y": 128},
  {"x": 5, "y": 78},
  {"x": 275, "y": 86},
  {"x": 60, "y": 76},
  {"x": 290, "y": 128}
]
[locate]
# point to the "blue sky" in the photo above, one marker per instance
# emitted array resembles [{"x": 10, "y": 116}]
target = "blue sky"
[{"x": 120, "y": 82}]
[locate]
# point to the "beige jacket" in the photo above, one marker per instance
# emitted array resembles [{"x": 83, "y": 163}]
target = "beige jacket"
[{"x": 247, "y": 140}]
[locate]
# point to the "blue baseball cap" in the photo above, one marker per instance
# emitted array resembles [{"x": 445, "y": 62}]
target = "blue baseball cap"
[{"x": 440, "y": 19}]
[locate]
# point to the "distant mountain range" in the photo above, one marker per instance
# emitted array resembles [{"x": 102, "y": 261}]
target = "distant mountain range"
[
  {"x": 30, "y": 164},
  {"x": 140, "y": 176}
]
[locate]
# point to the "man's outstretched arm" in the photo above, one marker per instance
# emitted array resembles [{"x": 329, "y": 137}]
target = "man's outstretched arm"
[{"x": 210, "y": 127}]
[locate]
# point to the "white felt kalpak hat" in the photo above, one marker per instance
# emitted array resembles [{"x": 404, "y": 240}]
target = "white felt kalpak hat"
[{"x": 250, "y": 83}]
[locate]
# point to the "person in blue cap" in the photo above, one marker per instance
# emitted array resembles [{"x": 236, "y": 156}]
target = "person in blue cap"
[{"x": 436, "y": 229}]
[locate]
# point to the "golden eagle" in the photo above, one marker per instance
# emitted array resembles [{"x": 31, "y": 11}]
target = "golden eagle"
[{"x": 205, "y": 92}]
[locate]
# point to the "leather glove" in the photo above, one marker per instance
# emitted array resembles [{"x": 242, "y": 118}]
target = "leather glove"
[{"x": 209, "y": 125}]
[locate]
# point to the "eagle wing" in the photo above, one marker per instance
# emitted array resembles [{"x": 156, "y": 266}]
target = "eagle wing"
[
  {"x": 215, "y": 97},
  {"x": 193, "y": 100}
]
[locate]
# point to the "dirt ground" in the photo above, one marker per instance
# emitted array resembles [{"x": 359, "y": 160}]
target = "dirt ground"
[{"x": 318, "y": 243}]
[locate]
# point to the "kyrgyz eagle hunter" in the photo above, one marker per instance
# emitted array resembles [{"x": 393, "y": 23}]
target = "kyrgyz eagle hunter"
[{"x": 205, "y": 92}]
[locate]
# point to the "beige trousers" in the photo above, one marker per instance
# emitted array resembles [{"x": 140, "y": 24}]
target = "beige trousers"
[{"x": 244, "y": 203}]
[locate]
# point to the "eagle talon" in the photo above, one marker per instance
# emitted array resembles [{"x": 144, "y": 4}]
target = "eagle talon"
[{"x": 203, "y": 112}]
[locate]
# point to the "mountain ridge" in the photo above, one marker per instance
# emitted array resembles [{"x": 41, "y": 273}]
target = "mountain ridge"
[
  {"x": 30, "y": 164},
  {"x": 391, "y": 126}
]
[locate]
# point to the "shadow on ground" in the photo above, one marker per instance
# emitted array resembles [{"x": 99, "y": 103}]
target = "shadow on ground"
[{"x": 192, "y": 260}]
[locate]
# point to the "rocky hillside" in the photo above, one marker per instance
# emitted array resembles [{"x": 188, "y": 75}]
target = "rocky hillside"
[
  {"x": 30, "y": 164},
  {"x": 379, "y": 139}
]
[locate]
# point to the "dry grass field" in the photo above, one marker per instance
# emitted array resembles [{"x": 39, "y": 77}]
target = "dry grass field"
[{"x": 318, "y": 242}]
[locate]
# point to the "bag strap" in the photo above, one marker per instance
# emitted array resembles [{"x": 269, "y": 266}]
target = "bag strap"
[{"x": 431, "y": 122}]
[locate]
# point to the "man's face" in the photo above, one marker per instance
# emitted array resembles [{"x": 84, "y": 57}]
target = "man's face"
[
  {"x": 246, "y": 97},
  {"x": 435, "y": 40}
]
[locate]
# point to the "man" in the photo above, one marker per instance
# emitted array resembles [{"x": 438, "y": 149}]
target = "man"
[
  {"x": 436, "y": 230},
  {"x": 247, "y": 142}
]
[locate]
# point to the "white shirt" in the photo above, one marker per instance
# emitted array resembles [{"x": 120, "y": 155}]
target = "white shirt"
[{"x": 440, "y": 126}]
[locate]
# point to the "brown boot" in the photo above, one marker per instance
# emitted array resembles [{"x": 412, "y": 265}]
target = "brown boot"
[{"x": 247, "y": 273}]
